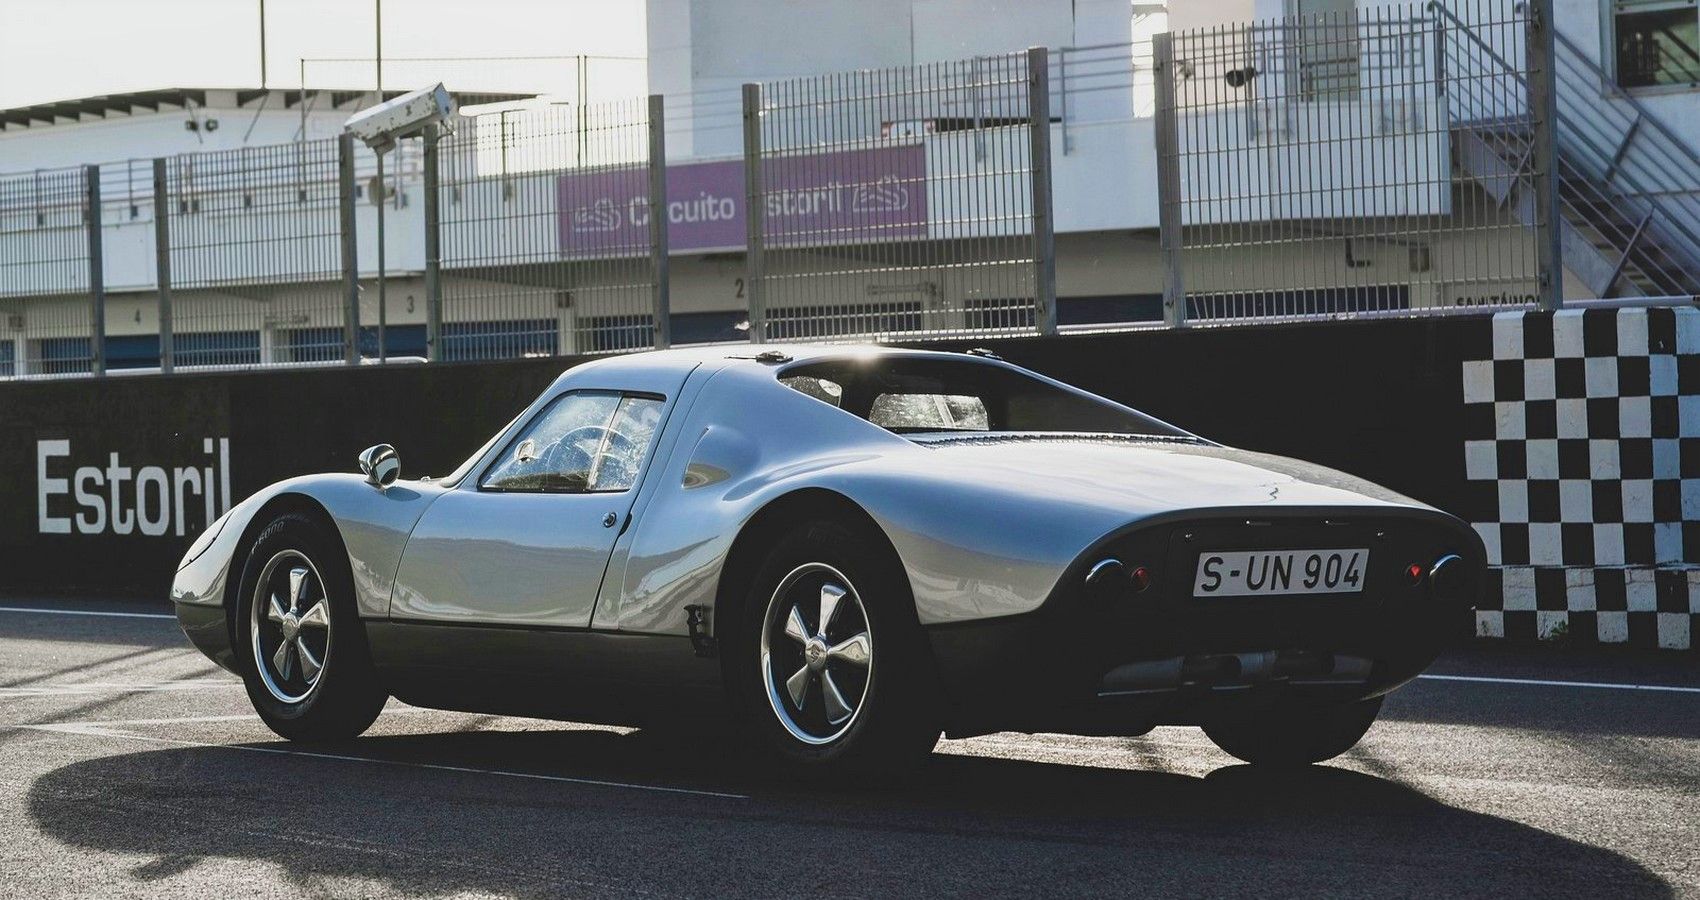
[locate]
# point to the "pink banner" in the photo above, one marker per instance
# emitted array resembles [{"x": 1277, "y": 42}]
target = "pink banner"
[{"x": 843, "y": 197}]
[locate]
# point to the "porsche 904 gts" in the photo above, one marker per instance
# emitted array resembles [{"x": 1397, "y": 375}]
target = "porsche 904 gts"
[{"x": 847, "y": 551}]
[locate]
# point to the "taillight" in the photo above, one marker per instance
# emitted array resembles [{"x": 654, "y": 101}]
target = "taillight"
[{"x": 1110, "y": 579}]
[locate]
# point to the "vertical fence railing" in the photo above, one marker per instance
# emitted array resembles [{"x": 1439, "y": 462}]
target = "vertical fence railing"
[
  {"x": 1388, "y": 160},
  {"x": 1314, "y": 167},
  {"x": 661, "y": 312},
  {"x": 546, "y": 245},
  {"x": 255, "y": 254},
  {"x": 348, "y": 248},
  {"x": 160, "y": 178},
  {"x": 898, "y": 202},
  {"x": 46, "y": 305}
]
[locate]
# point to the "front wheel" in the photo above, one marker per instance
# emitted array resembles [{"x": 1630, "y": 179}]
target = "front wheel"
[
  {"x": 1294, "y": 736},
  {"x": 831, "y": 668},
  {"x": 308, "y": 671}
]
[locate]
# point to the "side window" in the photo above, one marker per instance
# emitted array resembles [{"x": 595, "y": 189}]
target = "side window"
[
  {"x": 585, "y": 441},
  {"x": 822, "y": 389},
  {"x": 616, "y": 467}
]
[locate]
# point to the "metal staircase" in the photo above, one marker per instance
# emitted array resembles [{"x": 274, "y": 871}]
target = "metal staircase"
[{"x": 1629, "y": 188}]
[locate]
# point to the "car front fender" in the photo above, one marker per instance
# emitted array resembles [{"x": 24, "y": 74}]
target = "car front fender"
[{"x": 373, "y": 524}]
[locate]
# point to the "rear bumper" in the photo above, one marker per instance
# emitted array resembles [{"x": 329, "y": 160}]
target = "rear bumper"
[{"x": 1093, "y": 660}]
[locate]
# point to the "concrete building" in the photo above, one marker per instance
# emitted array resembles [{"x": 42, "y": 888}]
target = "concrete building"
[{"x": 1418, "y": 211}]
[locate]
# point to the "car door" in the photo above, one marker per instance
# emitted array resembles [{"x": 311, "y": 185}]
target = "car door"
[{"x": 524, "y": 539}]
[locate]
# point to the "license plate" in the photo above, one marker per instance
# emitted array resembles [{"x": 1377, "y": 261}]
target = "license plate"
[{"x": 1241, "y": 573}]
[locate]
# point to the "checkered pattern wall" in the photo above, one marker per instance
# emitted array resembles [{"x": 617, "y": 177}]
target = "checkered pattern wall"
[{"x": 1582, "y": 444}]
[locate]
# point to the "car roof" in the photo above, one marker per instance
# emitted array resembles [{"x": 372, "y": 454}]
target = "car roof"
[{"x": 684, "y": 359}]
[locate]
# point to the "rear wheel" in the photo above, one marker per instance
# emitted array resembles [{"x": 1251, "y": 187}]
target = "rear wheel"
[
  {"x": 831, "y": 668},
  {"x": 1294, "y": 736},
  {"x": 308, "y": 671}
]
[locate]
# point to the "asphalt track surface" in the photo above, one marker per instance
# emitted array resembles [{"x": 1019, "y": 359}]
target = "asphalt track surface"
[{"x": 130, "y": 766}]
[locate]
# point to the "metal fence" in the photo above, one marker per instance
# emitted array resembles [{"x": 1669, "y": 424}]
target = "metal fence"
[
  {"x": 900, "y": 202},
  {"x": 1309, "y": 166},
  {"x": 251, "y": 244},
  {"x": 1392, "y": 161},
  {"x": 45, "y": 305},
  {"x": 546, "y": 230}
]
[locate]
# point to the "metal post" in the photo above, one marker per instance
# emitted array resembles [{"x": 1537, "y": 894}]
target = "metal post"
[
  {"x": 1062, "y": 95},
  {"x": 754, "y": 215},
  {"x": 383, "y": 304},
  {"x": 658, "y": 221},
  {"x": 1167, "y": 125},
  {"x": 97, "y": 274},
  {"x": 162, "y": 265},
  {"x": 1543, "y": 108},
  {"x": 433, "y": 252},
  {"x": 350, "y": 250},
  {"x": 1039, "y": 159}
]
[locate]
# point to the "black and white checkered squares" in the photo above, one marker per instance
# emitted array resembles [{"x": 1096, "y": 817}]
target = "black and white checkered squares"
[
  {"x": 1637, "y": 605},
  {"x": 1582, "y": 447},
  {"x": 1576, "y": 428}
]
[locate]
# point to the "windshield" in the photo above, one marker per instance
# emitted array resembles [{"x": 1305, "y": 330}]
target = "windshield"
[{"x": 920, "y": 395}]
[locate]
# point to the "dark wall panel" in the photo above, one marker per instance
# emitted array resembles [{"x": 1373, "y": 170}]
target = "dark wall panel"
[{"x": 1378, "y": 399}]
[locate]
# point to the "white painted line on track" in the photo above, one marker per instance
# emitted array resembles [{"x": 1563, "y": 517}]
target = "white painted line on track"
[
  {"x": 63, "y": 690},
  {"x": 87, "y": 730},
  {"x": 1542, "y": 682},
  {"x": 85, "y": 612}
]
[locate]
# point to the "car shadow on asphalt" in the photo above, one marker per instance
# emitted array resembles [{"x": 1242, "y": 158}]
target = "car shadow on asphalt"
[{"x": 963, "y": 825}]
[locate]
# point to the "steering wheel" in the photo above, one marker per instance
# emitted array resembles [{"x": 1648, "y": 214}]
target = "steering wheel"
[{"x": 576, "y": 450}]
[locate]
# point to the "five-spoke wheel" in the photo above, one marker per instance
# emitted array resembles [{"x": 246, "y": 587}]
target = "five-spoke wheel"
[
  {"x": 308, "y": 669},
  {"x": 817, "y": 653},
  {"x": 829, "y": 670},
  {"x": 291, "y": 626}
]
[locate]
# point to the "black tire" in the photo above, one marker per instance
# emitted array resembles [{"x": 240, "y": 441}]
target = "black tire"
[
  {"x": 895, "y": 722},
  {"x": 346, "y": 695},
  {"x": 1294, "y": 735}
]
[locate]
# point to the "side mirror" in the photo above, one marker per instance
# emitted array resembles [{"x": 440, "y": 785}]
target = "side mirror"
[{"x": 381, "y": 465}]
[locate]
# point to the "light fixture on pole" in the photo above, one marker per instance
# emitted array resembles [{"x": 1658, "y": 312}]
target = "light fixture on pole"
[{"x": 380, "y": 127}]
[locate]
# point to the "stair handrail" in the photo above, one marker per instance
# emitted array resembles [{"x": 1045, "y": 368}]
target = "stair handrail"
[
  {"x": 1648, "y": 117},
  {"x": 1648, "y": 200},
  {"x": 1439, "y": 7}
]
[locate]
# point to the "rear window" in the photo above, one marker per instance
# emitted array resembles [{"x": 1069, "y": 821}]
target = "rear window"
[{"x": 912, "y": 396}]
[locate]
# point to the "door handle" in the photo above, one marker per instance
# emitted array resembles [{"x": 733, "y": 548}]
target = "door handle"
[{"x": 609, "y": 520}]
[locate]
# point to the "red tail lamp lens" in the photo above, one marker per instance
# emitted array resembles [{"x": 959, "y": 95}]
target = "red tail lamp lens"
[
  {"x": 1414, "y": 572},
  {"x": 1140, "y": 577}
]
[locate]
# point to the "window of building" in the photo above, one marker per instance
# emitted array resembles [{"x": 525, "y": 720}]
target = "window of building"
[
  {"x": 1656, "y": 43},
  {"x": 790, "y": 323},
  {"x": 1328, "y": 48},
  {"x": 64, "y": 356},
  {"x": 132, "y": 351},
  {"x": 505, "y": 339},
  {"x": 216, "y": 348}
]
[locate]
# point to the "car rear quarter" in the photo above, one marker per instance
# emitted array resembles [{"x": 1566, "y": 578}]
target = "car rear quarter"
[{"x": 1359, "y": 588}]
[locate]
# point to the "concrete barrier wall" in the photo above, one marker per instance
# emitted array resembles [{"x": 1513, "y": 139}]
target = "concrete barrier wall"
[{"x": 106, "y": 482}]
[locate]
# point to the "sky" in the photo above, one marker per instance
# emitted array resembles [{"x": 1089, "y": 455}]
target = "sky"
[{"x": 65, "y": 49}]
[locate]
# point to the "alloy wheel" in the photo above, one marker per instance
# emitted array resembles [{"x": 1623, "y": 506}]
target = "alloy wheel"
[
  {"x": 290, "y": 626},
  {"x": 817, "y": 653}
]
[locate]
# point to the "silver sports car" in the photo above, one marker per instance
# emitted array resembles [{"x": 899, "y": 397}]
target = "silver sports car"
[{"x": 844, "y": 551}]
